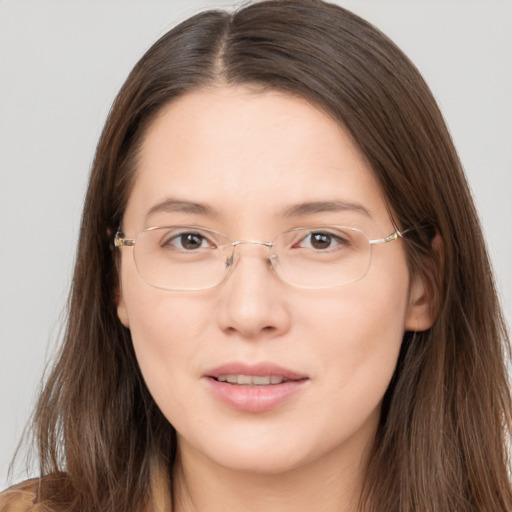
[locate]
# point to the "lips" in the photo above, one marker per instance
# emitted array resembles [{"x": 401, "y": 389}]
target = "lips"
[{"x": 254, "y": 388}]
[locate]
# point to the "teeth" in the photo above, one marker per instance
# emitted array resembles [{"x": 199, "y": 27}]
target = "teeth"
[
  {"x": 244, "y": 379},
  {"x": 251, "y": 380}
]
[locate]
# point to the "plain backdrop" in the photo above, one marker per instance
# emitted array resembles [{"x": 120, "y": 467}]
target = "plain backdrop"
[{"x": 61, "y": 63}]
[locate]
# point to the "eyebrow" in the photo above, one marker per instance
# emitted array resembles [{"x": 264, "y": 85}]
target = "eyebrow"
[
  {"x": 309, "y": 208},
  {"x": 171, "y": 205}
]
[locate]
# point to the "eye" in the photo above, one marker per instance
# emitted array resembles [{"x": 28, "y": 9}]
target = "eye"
[
  {"x": 323, "y": 240},
  {"x": 189, "y": 241}
]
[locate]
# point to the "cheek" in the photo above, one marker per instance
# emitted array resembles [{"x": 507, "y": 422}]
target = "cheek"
[
  {"x": 162, "y": 327},
  {"x": 165, "y": 329},
  {"x": 359, "y": 329}
]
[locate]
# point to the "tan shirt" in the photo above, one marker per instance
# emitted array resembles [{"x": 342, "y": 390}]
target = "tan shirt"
[{"x": 20, "y": 497}]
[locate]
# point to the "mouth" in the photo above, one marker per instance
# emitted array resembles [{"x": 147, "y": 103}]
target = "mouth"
[
  {"x": 260, "y": 374},
  {"x": 254, "y": 388},
  {"x": 251, "y": 380}
]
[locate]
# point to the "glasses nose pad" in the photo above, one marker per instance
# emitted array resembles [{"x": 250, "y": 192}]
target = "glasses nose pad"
[
  {"x": 230, "y": 262},
  {"x": 274, "y": 260}
]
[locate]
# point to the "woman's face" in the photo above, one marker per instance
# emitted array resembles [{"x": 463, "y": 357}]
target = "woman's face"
[{"x": 253, "y": 165}]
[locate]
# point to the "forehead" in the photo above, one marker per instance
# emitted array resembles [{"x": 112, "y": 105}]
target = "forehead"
[{"x": 248, "y": 153}]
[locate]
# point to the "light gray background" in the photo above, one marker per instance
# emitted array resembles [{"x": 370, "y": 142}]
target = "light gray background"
[{"x": 61, "y": 63}]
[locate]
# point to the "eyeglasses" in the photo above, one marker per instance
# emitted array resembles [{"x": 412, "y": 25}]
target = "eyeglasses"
[{"x": 195, "y": 258}]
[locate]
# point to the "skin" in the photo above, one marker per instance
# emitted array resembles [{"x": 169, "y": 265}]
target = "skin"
[{"x": 250, "y": 155}]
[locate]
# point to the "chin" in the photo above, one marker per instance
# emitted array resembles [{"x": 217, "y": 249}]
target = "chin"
[
  {"x": 258, "y": 462},
  {"x": 263, "y": 452}
]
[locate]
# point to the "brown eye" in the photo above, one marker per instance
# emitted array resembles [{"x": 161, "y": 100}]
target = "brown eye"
[
  {"x": 324, "y": 241},
  {"x": 190, "y": 241},
  {"x": 187, "y": 241},
  {"x": 320, "y": 240}
]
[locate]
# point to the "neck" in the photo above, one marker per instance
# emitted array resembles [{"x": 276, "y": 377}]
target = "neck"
[{"x": 329, "y": 485}]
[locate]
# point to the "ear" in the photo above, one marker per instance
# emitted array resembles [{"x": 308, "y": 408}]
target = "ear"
[
  {"x": 420, "y": 312},
  {"x": 122, "y": 313},
  {"x": 425, "y": 290}
]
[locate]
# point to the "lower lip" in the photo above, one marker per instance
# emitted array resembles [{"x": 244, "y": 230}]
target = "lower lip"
[{"x": 255, "y": 399}]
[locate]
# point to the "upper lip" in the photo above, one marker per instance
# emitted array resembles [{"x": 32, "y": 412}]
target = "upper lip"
[{"x": 257, "y": 370}]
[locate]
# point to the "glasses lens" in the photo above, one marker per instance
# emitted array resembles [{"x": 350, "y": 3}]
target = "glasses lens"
[
  {"x": 181, "y": 257},
  {"x": 191, "y": 258},
  {"x": 322, "y": 257}
]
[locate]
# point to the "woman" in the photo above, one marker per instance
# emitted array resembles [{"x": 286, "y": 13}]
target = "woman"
[{"x": 282, "y": 297}]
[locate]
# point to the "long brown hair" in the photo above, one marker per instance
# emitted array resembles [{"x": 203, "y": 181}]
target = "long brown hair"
[{"x": 446, "y": 417}]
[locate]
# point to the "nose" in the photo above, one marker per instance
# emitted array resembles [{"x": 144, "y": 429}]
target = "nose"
[{"x": 253, "y": 300}]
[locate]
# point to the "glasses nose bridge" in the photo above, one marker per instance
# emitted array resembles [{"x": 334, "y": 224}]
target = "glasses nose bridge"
[
  {"x": 268, "y": 245},
  {"x": 255, "y": 242}
]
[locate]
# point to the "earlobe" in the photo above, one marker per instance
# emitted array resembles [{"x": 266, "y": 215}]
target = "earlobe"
[
  {"x": 122, "y": 313},
  {"x": 420, "y": 312},
  {"x": 425, "y": 290}
]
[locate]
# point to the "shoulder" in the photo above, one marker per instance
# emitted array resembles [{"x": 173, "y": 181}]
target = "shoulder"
[{"x": 20, "y": 497}]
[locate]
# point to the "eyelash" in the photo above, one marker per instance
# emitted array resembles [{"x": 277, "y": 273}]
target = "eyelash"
[
  {"x": 183, "y": 235},
  {"x": 334, "y": 241},
  {"x": 340, "y": 241}
]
